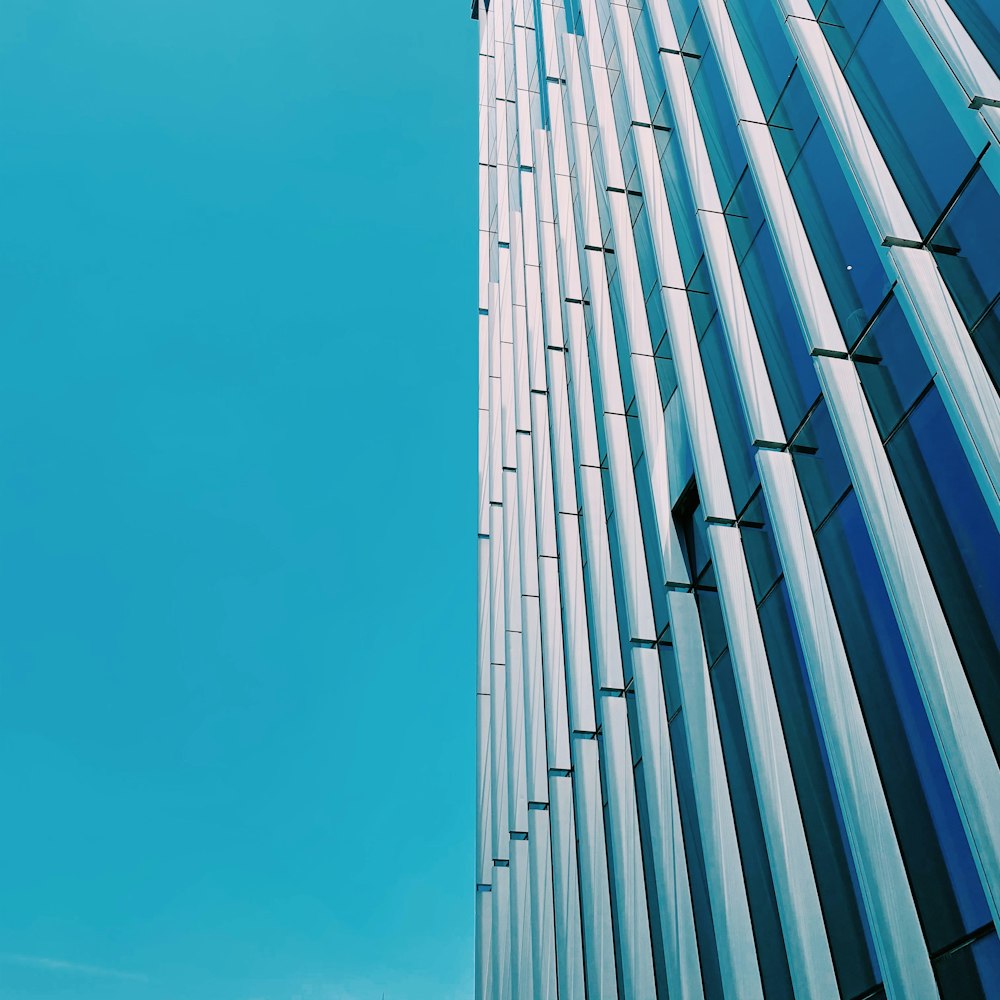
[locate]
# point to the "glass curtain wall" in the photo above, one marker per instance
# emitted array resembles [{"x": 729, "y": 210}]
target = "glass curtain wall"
[{"x": 739, "y": 595}]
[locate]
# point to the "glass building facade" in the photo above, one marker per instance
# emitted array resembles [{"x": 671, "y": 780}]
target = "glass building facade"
[{"x": 738, "y": 669}]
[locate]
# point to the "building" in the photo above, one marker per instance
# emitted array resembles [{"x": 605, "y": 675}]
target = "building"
[{"x": 739, "y": 680}]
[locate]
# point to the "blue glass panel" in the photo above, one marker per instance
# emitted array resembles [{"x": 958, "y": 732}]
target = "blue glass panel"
[
  {"x": 965, "y": 247},
  {"x": 982, "y": 21},
  {"x": 718, "y": 123},
  {"x": 708, "y": 952},
  {"x": 891, "y": 367},
  {"x": 649, "y": 66},
  {"x": 644, "y": 247},
  {"x": 682, "y": 212},
  {"x": 789, "y": 364},
  {"x": 652, "y": 896},
  {"x": 926, "y": 153},
  {"x": 840, "y": 898},
  {"x": 819, "y": 463},
  {"x": 959, "y": 541},
  {"x": 793, "y": 119},
  {"x": 986, "y": 337},
  {"x": 654, "y": 563},
  {"x": 758, "y": 544},
  {"x": 744, "y": 215},
  {"x": 851, "y": 267},
  {"x": 668, "y": 670},
  {"x": 753, "y": 850},
  {"x": 741, "y": 468},
  {"x": 712, "y": 625},
  {"x": 936, "y": 853},
  {"x": 693, "y": 533},
  {"x": 972, "y": 972},
  {"x": 765, "y": 47},
  {"x": 844, "y": 21}
]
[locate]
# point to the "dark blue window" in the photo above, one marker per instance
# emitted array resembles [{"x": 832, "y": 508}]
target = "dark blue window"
[
  {"x": 819, "y": 463},
  {"x": 765, "y": 47},
  {"x": 851, "y": 267},
  {"x": 982, "y": 21},
  {"x": 789, "y": 364},
  {"x": 965, "y": 246},
  {"x": 750, "y": 833},
  {"x": 960, "y": 543},
  {"x": 926, "y": 153},
  {"x": 972, "y": 972},
  {"x": 891, "y": 367},
  {"x": 839, "y": 892},
  {"x": 943, "y": 875},
  {"x": 708, "y": 951}
]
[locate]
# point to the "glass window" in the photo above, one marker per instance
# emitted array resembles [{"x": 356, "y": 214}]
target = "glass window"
[
  {"x": 943, "y": 875},
  {"x": 819, "y": 463},
  {"x": 710, "y": 607},
  {"x": 986, "y": 337},
  {"x": 971, "y": 972},
  {"x": 718, "y": 123},
  {"x": 741, "y": 468},
  {"x": 965, "y": 246},
  {"x": 682, "y": 13},
  {"x": 765, "y": 47},
  {"x": 851, "y": 267},
  {"x": 744, "y": 215},
  {"x": 654, "y": 563},
  {"x": 693, "y": 532},
  {"x": 891, "y": 367},
  {"x": 701, "y": 297},
  {"x": 843, "y": 22},
  {"x": 839, "y": 891},
  {"x": 982, "y": 21},
  {"x": 682, "y": 213},
  {"x": 793, "y": 119},
  {"x": 789, "y": 364},
  {"x": 708, "y": 952},
  {"x": 928, "y": 156},
  {"x": 668, "y": 670},
  {"x": 644, "y": 246},
  {"x": 750, "y": 833},
  {"x": 758, "y": 544},
  {"x": 645, "y": 840},
  {"x": 960, "y": 543},
  {"x": 649, "y": 66}
]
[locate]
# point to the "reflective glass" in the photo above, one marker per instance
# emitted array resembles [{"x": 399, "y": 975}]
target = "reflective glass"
[
  {"x": 765, "y": 47},
  {"x": 819, "y": 464},
  {"x": 891, "y": 367},
  {"x": 971, "y": 972},
  {"x": 982, "y": 21},
  {"x": 965, "y": 247},
  {"x": 928, "y": 156},
  {"x": 935, "y": 850},
  {"x": 789, "y": 363},
  {"x": 851, "y": 267},
  {"x": 741, "y": 468},
  {"x": 959, "y": 541},
  {"x": 753, "y": 848},
  {"x": 840, "y": 895},
  {"x": 708, "y": 952}
]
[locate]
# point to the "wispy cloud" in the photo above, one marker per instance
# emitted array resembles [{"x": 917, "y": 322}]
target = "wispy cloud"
[{"x": 58, "y": 965}]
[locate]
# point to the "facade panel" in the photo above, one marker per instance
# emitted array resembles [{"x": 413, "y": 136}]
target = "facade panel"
[{"x": 739, "y": 645}]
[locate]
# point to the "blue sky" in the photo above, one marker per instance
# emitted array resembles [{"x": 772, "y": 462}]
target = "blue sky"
[{"x": 237, "y": 420}]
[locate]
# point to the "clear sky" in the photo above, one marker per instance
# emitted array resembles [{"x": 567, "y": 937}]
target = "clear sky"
[{"x": 237, "y": 525}]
